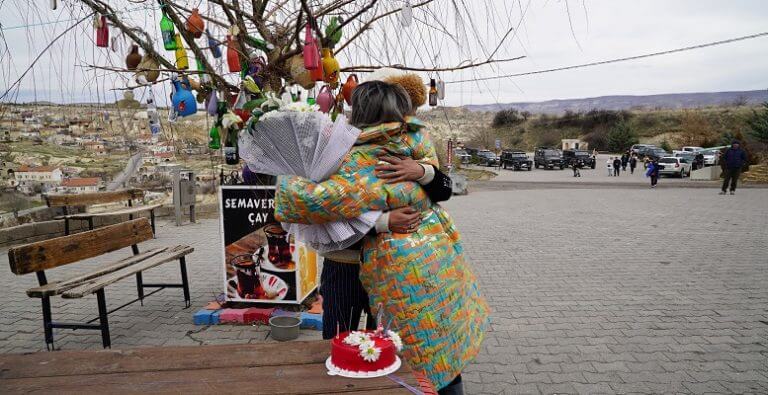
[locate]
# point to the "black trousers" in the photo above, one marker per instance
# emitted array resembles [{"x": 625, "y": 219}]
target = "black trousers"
[
  {"x": 654, "y": 180},
  {"x": 731, "y": 176},
  {"x": 616, "y": 171},
  {"x": 344, "y": 298}
]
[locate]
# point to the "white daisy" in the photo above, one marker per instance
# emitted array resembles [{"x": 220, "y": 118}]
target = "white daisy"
[
  {"x": 396, "y": 340},
  {"x": 356, "y": 338},
  {"x": 370, "y": 354}
]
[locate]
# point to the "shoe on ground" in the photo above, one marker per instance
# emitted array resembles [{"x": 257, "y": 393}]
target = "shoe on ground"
[
  {"x": 733, "y": 193},
  {"x": 721, "y": 193}
]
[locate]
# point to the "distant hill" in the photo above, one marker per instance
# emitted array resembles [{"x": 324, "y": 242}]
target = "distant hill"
[{"x": 650, "y": 102}]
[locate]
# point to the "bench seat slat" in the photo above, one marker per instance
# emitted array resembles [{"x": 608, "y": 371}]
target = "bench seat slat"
[
  {"x": 57, "y": 287},
  {"x": 96, "y": 284},
  {"x": 125, "y": 211}
]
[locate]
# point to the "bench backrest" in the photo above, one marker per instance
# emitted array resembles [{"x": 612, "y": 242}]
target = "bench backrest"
[
  {"x": 64, "y": 250},
  {"x": 85, "y": 199}
]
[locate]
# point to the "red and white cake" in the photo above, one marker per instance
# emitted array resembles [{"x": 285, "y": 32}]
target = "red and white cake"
[{"x": 364, "y": 354}]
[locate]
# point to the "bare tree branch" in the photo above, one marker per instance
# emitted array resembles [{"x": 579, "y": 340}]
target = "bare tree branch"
[
  {"x": 433, "y": 69},
  {"x": 368, "y": 24}
]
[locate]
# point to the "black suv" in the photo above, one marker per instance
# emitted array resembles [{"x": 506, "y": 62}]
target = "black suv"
[
  {"x": 548, "y": 158},
  {"x": 516, "y": 160},
  {"x": 486, "y": 158},
  {"x": 580, "y": 157}
]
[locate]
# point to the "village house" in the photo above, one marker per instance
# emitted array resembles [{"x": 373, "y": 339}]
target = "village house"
[
  {"x": 96, "y": 147},
  {"x": 79, "y": 185},
  {"x": 31, "y": 180}
]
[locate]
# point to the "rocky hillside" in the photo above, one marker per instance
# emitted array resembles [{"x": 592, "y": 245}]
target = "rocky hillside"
[{"x": 650, "y": 102}]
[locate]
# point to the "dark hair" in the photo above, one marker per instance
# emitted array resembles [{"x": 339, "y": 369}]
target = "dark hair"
[{"x": 376, "y": 102}]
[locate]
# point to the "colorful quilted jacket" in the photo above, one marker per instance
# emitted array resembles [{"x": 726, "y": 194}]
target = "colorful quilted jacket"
[{"x": 420, "y": 279}]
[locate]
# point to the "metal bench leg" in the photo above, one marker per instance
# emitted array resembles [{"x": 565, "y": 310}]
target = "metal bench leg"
[
  {"x": 140, "y": 287},
  {"x": 47, "y": 321},
  {"x": 90, "y": 223},
  {"x": 105, "y": 341},
  {"x": 66, "y": 227},
  {"x": 152, "y": 221},
  {"x": 184, "y": 281}
]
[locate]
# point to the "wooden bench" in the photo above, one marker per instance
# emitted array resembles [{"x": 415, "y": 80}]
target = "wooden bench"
[
  {"x": 40, "y": 256},
  {"x": 87, "y": 199}
]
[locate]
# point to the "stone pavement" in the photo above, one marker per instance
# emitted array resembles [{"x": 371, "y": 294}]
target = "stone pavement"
[{"x": 592, "y": 290}]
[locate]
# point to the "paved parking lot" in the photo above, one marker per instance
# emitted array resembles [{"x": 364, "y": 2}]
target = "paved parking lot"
[{"x": 609, "y": 290}]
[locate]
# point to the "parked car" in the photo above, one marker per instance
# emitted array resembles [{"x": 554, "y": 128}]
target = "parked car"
[
  {"x": 688, "y": 149},
  {"x": 548, "y": 158},
  {"x": 711, "y": 156},
  {"x": 672, "y": 166},
  {"x": 642, "y": 152},
  {"x": 581, "y": 157},
  {"x": 690, "y": 157},
  {"x": 515, "y": 159},
  {"x": 635, "y": 149},
  {"x": 656, "y": 153},
  {"x": 486, "y": 158},
  {"x": 461, "y": 156}
]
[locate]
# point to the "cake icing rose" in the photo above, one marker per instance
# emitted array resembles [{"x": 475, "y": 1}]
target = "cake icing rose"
[{"x": 365, "y": 352}]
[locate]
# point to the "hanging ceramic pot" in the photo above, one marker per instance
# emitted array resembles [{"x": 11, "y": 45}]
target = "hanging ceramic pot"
[
  {"x": 212, "y": 103},
  {"x": 233, "y": 57},
  {"x": 133, "y": 59},
  {"x": 407, "y": 14},
  {"x": 239, "y": 106},
  {"x": 441, "y": 89},
  {"x": 256, "y": 66},
  {"x": 152, "y": 67},
  {"x": 102, "y": 32},
  {"x": 348, "y": 87},
  {"x": 330, "y": 67},
  {"x": 195, "y": 25},
  {"x": 325, "y": 99},
  {"x": 182, "y": 61},
  {"x": 317, "y": 74},
  {"x": 183, "y": 100},
  {"x": 299, "y": 74},
  {"x": 213, "y": 45},
  {"x": 311, "y": 52}
]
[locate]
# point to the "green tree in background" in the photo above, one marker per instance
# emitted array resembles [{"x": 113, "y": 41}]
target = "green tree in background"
[
  {"x": 621, "y": 137},
  {"x": 758, "y": 124},
  {"x": 665, "y": 145}
]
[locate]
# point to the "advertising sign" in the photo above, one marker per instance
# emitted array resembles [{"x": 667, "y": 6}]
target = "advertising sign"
[{"x": 262, "y": 263}]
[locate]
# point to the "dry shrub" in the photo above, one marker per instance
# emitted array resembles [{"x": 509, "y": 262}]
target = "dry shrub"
[{"x": 695, "y": 130}]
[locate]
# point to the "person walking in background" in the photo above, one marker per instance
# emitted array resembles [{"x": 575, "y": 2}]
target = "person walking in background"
[
  {"x": 632, "y": 164},
  {"x": 653, "y": 172},
  {"x": 575, "y": 165},
  {"x": 609, "y": 166},
  {"x": 616, "y": 166},
  {"x": 732, "y": 161},
  {"x": 624, "y": 161}
]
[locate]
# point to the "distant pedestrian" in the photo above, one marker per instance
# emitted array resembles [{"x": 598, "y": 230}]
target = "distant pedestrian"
[
  {"x": 624, "y": 161},
  {"x": 653, "y": 172},
  {"x": 616, "y": 166},
  {"x": 575, "y": 165},
  {"x": 609, "y": 166},
  {"x": 632, "y": 164},
  {"x": 733, "y": 160}
]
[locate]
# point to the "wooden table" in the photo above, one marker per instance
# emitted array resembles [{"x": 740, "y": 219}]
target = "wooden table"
[{"x": 267, "y": 368}]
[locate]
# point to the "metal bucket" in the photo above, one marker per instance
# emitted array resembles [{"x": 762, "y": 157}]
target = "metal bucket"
[{"x": 284, "y": 328}]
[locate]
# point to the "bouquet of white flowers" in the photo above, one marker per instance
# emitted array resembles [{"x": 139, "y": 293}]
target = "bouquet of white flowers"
[{"x": 297, "y": 139}]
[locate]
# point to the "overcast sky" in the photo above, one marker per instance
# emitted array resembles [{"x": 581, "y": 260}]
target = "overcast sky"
[{"x": 602, "y": 29}]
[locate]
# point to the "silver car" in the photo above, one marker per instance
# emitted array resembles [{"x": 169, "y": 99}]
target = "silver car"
[{"x": 674, "y": 166}]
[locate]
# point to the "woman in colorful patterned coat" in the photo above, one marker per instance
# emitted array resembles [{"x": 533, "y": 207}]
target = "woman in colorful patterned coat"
[{"x": 421, "y": 279}]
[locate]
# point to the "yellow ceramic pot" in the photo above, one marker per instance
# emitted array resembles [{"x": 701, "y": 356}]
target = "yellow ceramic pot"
[{"x": 330, "y": 67}]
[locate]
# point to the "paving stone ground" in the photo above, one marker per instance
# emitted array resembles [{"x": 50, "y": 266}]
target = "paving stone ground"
[{"x": 593, "y": 291}]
